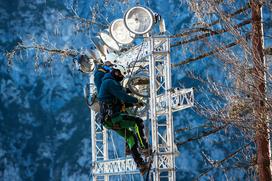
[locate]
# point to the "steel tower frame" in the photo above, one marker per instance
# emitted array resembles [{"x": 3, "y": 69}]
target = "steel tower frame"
[{"x": 164, "y": 100}]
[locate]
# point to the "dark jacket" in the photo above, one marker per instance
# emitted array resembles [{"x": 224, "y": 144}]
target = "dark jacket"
[
  {"x": 111, "y": 91},
  {"x": 98, "y": 76}
]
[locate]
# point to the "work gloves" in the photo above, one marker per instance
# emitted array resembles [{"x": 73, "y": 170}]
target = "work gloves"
[{"x": 139, "y": 104}]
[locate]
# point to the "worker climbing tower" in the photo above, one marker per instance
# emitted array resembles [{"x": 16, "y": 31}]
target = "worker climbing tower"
[{"x": 152, "y": 56}]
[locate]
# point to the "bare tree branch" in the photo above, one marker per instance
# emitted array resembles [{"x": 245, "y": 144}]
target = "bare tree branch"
[
  {"x": 186, "y": 33},
  {"x": 268, "y": 51},
  {"x": 212, "y": 33},
  {"x": 65, "y": 53},
  {"x": 216, "y": 50},
  {"x": 89, "y": 22},
  {"x": 216, "y": 164},
  {"x": 203, "y": 134},
  {"x": 186, "y": 128}
]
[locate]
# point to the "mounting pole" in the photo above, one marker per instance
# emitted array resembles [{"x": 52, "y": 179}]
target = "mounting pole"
[{"x": 161, "y": 119}]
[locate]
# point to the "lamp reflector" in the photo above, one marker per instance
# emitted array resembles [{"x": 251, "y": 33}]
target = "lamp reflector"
[
  {"x": 120, "y": 33},
  {"x": 139, "y": 20},
  {"x": 109, "y": 41}
]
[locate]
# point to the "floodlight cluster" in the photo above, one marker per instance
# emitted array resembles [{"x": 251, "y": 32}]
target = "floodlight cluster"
[{"x": 119, "y": 36}]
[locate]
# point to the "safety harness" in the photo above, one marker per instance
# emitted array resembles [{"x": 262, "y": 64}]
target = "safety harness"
[
  {"x": 106, "y": 114},
  {"x": 102, "y": 70}
]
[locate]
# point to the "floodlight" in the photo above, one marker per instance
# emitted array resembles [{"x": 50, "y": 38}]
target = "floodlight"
[
  {"x": 97, "y": 56},
  {"x": 139, "y": 84},
  {"x": 139, "y": 20},
  {"x": 120, "y": 33},
  {"x": 99, "y": 45},
  {"x": 86, "y": 63},
  {"x": 108, "y": 40},
  {"x": 94, "y": 54}
]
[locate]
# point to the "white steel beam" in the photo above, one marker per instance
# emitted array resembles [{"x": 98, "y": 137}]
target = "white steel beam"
[{"x": 164, "y": 100}]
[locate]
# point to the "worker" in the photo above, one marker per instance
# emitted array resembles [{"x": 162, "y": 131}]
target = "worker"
[
  {"x": 100, "y": 71},
  {"x": 113, "y": 116}
]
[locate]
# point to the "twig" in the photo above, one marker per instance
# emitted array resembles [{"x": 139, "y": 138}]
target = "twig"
[
  {"x": 203, "y": 134},
  {"x": 212, "y": 33},
  {"x": 211, "y": 24},
  {"x": 189, "y": 60},
  {"x": 216, "y": 164}
]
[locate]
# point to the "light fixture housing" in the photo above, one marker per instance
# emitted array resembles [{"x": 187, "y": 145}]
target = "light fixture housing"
[
  {"x": 86, "y": 63},
  {"x": 97, "y": 56},
  {"x": 112, "y": 57},
  {"x": 139, "y": 20},
  {"x": 108, "y": 40},
  {"x": 99, "y": 45},
  {"x": 120, "y": 33}
]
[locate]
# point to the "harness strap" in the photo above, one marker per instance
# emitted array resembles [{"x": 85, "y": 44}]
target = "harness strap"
[
  {"x": 106, "y": 111},
  {"x": 102, "y": 70},
  {"x": 123, "y": 108}
]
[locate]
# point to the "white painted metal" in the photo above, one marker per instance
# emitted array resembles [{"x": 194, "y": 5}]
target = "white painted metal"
[
  {"x": 116, "y": 167},
  {"x": 99, "y": 139},
  {"x": 141, "y": 52},
  {"x": 180, "y": 99},
  {"x": 164, "y": 100},
  {"x": 161, "y": 110}
]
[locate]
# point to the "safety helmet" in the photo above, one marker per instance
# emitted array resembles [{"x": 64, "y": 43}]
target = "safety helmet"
[{"x": 121, "y": 68}]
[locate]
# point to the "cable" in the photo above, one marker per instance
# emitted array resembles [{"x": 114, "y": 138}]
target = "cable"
[
  {"x": 136, "y": 59},
  {"x": 125, "y": 152},
  {"x": 115, "y": 151},
  {"x": 114, "y": 147}
]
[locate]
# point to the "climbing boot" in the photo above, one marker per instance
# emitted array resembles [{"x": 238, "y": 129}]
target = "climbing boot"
[
  {"x": 143, "y": 167},
  {"x": 146, "y": 151}
]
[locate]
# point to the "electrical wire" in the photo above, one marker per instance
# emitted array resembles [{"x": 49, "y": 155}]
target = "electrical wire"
[{"x": 136, "y": 60}]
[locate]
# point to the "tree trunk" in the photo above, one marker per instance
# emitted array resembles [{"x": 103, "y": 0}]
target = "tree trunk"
[{"x": 262, "y": 142}]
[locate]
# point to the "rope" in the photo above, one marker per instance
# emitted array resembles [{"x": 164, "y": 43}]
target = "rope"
[
  {"x": 125, "y": 151},
  {"x": 114, "y": 147},
  {"x": 136, "y": 60},
  {"x": 115, "y": 152},
  {"x": 139, "y": 136}
]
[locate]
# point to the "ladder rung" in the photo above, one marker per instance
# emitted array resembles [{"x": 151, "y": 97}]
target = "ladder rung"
[
  {"x": 160, "y": 52},
  {"x": 162, "y": 124}
]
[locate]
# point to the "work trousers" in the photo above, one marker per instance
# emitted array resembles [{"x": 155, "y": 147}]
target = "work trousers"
[{"x": 131, "y": 128}]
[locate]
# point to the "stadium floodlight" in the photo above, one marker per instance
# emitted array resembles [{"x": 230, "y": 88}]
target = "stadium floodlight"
[
  {"x": 85, "y": 63},
  {"x": 99, "y": 45},
  {"x": 139, "y": 20},
  {"x": 97, "y": 56},
  {"x": 139, "y": 83},
  {"x": 120, "y": 33},
  {"x": 108, "y": 40}
]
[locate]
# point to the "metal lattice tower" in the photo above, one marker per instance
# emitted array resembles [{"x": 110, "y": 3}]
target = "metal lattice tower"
[
  {"x": 99, "y": 140},
  {"x": 164, "y": 100},
  {"x": 160, "y": 87}
]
